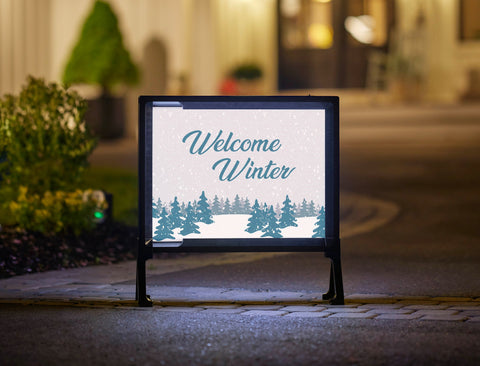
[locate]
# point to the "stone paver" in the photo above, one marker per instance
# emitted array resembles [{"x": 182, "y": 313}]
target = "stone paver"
[
  {"x": 461, "y": 303},
  {"x": 470, "y": 313},
  {"x": 465, "y": 308},
  {"x": 261, "y": 307},
  {"x": 358, "y": 306},
  {"x": 353, "y": 315},
  {"x": 390, "y": 311},
  {"x": 345, "y": 310},
  {"x": 446, "y": 317},
  {"x": 302, "y": 308},
  {"x": 426, "y": 307},
  {"x": 380, "y": 306},
  {"x": 264, "y": 313},
  {"x": 304, "y": 314},
  {"x": 436, "y": 312},
  {"x": 398, "y": 316}
]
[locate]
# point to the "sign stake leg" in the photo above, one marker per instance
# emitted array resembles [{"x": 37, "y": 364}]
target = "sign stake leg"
[
  {"x": 141, "y": 285},
  {"x": 330, "y": 294},
  {"x": 336, "y": 267}
]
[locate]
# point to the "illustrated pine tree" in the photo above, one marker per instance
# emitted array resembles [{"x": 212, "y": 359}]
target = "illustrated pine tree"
[
  {"x": 204, "y": 214},
  {"x": 195, "y": 208},
  {"x": 272, "y": 228},
  {"x": 216, "y": 208},
  {"x": 264, "y": 214},
  {"x": 237, "y": 205},
  {"x": 256, "y": 220},
  {"x": 189, "y": 226},
  {"x": 319, "y": 230},
  {"x": 311, "y": 209},
  {"x": 163, "y": 229},
  {"x": 287, "y": 217},
  {"x": 303, "y": 212},
  {"x": 175, "y": 214},
  {"x": 278, "y": 210},
  {"x": 222, "y": 205},
  {"x": 246, "y": 206},
  {"x": 227, "y": 208},
  {"x": 295, "y": 211},
  {"x": 155, "y": 210},
  {"x": 183, "y": 209}
]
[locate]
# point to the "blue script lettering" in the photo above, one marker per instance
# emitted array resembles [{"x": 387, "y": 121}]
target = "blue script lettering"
[
  {"x": 270, "y": 171},
  {"x": 200, "y": 145}
]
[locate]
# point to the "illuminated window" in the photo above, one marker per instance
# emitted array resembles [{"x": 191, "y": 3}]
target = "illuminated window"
[
  {"x": 470, "y": 20},
  {"x": 306, "y": 23}
]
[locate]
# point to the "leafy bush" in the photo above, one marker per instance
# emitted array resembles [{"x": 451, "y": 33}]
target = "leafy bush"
[
  {"x": 44, "y": 142},
  {"x": 44, "y": 147},
  {"x": 66, "y": 212},
  {"x": 248, "y": 71}
]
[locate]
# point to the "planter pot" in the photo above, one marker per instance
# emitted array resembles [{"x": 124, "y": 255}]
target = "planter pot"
[
  {"x": 106, "y": 116},
  {"x": 250, "y": 87},
  {"x": 405, "y": 90}
]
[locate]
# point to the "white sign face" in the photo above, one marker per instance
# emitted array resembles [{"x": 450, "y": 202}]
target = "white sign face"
[{"x": 237, "y": 173}]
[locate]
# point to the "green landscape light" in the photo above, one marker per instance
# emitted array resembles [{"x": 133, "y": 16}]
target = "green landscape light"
[{"x": 98, "y": 215}]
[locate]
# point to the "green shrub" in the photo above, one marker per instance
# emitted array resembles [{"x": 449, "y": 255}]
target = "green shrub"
[
  {"x": 247, "y": 71},
  {"x": 44, "y": 142},
  {"x": 55, "y": 212},
  {"x": 99, "y": 56}
]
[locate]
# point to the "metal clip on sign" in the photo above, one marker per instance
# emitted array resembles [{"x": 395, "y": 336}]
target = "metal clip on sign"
[{"x": 239, "y": 174}]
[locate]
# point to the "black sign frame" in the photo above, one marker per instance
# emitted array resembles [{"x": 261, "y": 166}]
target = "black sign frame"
[{"x": 330, "y": 245}]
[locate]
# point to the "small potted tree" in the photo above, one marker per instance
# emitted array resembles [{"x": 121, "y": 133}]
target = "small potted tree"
[
  {"x": 100, "y": 58},
  {"x": 244, "y": 79}
]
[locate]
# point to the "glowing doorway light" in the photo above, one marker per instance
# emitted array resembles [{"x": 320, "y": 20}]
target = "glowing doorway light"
[{"x": 361, "y": 28}]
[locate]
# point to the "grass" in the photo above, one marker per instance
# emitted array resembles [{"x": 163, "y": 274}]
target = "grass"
[{"x": 123, "y": 184}]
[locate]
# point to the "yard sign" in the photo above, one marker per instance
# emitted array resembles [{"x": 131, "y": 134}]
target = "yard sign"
[{"x": 239, "y": 174}]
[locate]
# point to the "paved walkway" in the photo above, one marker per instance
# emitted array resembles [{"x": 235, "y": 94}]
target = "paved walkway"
[
  {"x": 300, "y": 305},
  {"x": 111, "y": 285}
]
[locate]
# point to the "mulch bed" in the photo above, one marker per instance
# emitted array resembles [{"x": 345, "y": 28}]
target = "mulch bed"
[{"x": 27, "y": 252}]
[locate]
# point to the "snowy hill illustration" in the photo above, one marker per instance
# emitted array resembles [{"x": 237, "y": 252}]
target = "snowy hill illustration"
[{"x": 221, "y": 219}]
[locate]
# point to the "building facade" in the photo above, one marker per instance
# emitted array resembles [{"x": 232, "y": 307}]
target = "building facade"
[{"x": 190, "y": 46}]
